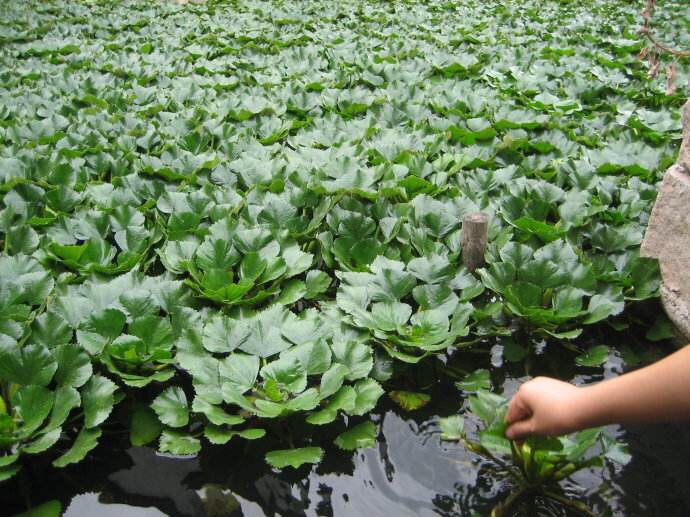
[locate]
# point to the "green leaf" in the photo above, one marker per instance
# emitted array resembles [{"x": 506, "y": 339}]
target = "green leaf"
[
  {"x": 601, "y": 307},
  {"x": 611, "y": 239},
  {"x": 220, "y": 435},
  {"x": 513, "y": 351},
  {"x": 546, "y": 232},
  {"x": 85, "y": 442},
  {"x": 384, "y": 367},
  {"x": 317, "y": 282},
  {"x": 615, "y": 451},
  {"x": 144, "y": 427},
  {"x": 475, "y": 381},
  {"x": 108, "y": 323},
  {"x": 357, "y": 357},
  {"x": 315, "y": 357},
  {"x": 215, "y": 414},
  {"x": 389, "y": 316},
  {"x": 367, "y": 394},
  {"x": 288, "y": 373},
  {"x": 31, "y": 364},
  {"x": 332, "y": 380},
  {"x": 431, "y": 269},
  {"x": 361, "y": 436},
  {"x": 66, "y": 399},
  {"x": 9, "y": 471},
  {"x": 452, "y": 427},
  {"x": 74, "y": 366},
  {"x": 292, "y": 291},
  {"x": 43, "y": 442},
  {"x": 21, "y": 239},
  {"x": 584, "y": 441},
  {"x": 542, "y": 273},
  {"x": 97, "y": 400},
  {"x": 155, "y": 332},
  {"x": 48, "y": 509},
  {"x": 294, "y": 458},
  {"x": 252, "y": 266},
  {"x": 516, "y": 254},
  {"x": 345, "y": 399},
  {"x": 179, "y": 443},
  {"x": 239, "y": 371},
  {"x": 409, "y": 400},
  {"x": 661, "y": 329},
  {"x": 171, "y": 407},
  {"x": 8, "y": 459},
  {"x": 50, "y": 330},
  {"x": 594, "y": 356},
  {"x": 222, "y": 334},
  {"x": 264, "y": 336},
  {"x": 217, "y": 435},
  {"x": 488, "y": 406},
  {"x": 32, "y": 404},
  {"x": 493, "y": 438},
  {"x": 435, "y": 297},
  {"x": 251, "y": 434}
]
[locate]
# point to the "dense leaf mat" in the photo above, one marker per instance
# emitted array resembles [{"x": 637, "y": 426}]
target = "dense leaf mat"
[{"x": 266, "y": 198}]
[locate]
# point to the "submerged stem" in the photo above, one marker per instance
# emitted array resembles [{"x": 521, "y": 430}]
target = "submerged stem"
[
  {"x": 577, "y": 505},
  {"x": 501, "y": 509}
]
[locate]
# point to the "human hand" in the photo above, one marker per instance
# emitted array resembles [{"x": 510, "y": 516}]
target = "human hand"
[{"x": 544, "y": 407}]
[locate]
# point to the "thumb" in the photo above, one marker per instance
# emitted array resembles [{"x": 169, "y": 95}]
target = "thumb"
[
  {"x": 520, "y": 429},
  {"x": 517, "y": 409}
]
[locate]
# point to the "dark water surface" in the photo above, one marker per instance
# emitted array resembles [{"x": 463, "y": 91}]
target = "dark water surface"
[{"x": 410, "y": 472}]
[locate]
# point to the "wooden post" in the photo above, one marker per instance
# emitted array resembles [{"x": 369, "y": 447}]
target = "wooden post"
[{"x": 473, "y": 237}]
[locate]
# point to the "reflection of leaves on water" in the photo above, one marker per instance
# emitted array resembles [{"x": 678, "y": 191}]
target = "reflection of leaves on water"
[
  {"x": 160, "y": 477},
  {"x": 336, "y": 461},
  {"x": 219, "y": 502},
  {"x": 474, "y": 499},
  {"x": 283, "y": 497},
  {"x": 323, "y": 507},
  {"x": 427, "y": 430},
  {"x": 388, "y": 467},
  {"x": 106, "y": 504}
]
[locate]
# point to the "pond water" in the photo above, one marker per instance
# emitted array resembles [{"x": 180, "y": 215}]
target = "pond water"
[{"x": 410, "y": 472}]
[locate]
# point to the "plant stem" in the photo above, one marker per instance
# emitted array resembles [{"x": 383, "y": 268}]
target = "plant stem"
[
  {"x": 501, "y": 509},
  {"x": 577, "y": 505},
  {"x": 664, "y": 48},
  {"x": 29, "y": 322}
]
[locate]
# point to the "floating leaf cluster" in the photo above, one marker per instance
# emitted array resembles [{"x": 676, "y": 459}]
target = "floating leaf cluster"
[
  {"x": 236, "y": 211},
  {"x": 538, "y": 463}
]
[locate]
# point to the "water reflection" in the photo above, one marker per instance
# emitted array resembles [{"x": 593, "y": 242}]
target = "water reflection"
[
  {"x": 91, "y": 504},
  {"x": 159, "y": 476}
]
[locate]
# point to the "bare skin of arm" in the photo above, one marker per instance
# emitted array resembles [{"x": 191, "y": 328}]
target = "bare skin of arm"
[{"x": 657, "y": 393}]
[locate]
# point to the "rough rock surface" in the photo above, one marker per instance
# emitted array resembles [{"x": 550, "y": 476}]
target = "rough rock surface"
[
  {"x": 668, "y": 237},
  {"x": 668, "y": 233},
  {"x": 678, "y": 310},
  {"x": 684, "y": 155}
]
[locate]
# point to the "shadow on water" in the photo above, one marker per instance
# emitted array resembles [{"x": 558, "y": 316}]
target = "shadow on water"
[{"x": 410, "y": 472}]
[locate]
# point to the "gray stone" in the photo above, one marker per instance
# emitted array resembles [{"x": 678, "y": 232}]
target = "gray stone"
[
  {"x": 668, "y": 238},
  {"x": 668, "y": 232},
  {"x": 684, "y": 155},
  {"x": 678, "y": 311}
]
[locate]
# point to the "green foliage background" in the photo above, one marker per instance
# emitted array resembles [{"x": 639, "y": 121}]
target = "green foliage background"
[{"x": 239, "y": 211}]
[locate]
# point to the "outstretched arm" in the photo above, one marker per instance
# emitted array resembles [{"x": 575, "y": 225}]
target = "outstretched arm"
[{"x": 657, "y": 393}]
